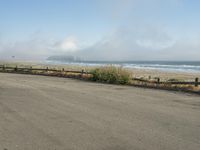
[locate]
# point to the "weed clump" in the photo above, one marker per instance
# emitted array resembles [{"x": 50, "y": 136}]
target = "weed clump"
[{"x": 111, "y": 74}]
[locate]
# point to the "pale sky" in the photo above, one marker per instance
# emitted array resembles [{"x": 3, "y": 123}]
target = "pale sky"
[{"x": 100, "y": 29}]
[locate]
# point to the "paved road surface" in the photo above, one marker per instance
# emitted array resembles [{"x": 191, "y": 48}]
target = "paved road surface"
[{"x": 49, "y": 113}]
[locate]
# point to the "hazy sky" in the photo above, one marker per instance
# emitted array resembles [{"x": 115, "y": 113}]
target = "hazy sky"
[{"x": 100, "y": 29}]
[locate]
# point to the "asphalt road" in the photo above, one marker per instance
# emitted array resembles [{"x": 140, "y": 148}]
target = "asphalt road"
[{"x": 49, "y": 113}]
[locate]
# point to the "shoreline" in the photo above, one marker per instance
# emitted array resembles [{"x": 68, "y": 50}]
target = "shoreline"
[
  {"x": 137, "y": 72},
  {"x": 140, "y": 78}
]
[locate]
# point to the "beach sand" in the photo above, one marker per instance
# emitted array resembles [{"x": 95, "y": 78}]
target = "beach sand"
[{"x": 164, "y": 75}]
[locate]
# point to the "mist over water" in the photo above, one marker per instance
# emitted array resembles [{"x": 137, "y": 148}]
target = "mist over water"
[{"x": 170, "y": 66}]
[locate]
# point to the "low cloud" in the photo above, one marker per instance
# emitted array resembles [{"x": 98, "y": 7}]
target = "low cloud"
[
  {"x": 29, "y": 49},
  {"x": 130, "y": 44},
  {"x": 142, "y": 36},
  {"x": 69, "y": 44},
  {"x": 38, "y": 48},
  {"x": 136, "y": 43},
  {"x": 152, "y": 43}
]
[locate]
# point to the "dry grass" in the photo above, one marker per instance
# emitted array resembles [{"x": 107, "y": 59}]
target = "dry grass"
[{"x": 111, "y": 74}]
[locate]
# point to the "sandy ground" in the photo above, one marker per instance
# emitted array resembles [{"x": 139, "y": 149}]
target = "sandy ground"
[
  {"x": 49, "y": 113},
  {"x": 164, "y": 75}
]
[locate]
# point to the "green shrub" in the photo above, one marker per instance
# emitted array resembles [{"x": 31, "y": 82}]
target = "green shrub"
[{"x": 111, "y": 74}]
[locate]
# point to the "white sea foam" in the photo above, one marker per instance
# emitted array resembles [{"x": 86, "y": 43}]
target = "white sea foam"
[{"x": 163, "y": 66}]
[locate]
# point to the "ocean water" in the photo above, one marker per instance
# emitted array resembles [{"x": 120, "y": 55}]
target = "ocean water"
[{"x": 171, "y": 66}]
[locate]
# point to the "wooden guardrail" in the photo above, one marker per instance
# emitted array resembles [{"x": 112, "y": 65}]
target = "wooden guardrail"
[
  {"x": 196, "y": 82},
  {"x": 18, "y": 69},
  {"x": 4, "y": 68}
]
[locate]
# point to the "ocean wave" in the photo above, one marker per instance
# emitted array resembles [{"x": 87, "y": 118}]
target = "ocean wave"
[{"x": 169, "y": 66}]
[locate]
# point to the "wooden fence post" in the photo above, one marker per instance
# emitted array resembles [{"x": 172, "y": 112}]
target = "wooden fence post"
[
  {"x": 158, "y": 80},
  {"x": 15, "y": 68},
  {"x": 149, "y": 77},
  {"x": 196, "y": 82},
  {"x": 63, "y": 69},
  {"x": 30, "y": 70},
  {"x": 4, "y": 67},
  {"x": 82, "y": 71}
]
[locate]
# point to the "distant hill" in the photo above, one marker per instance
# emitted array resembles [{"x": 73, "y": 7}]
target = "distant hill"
[{"x": 64, "y": 58}]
